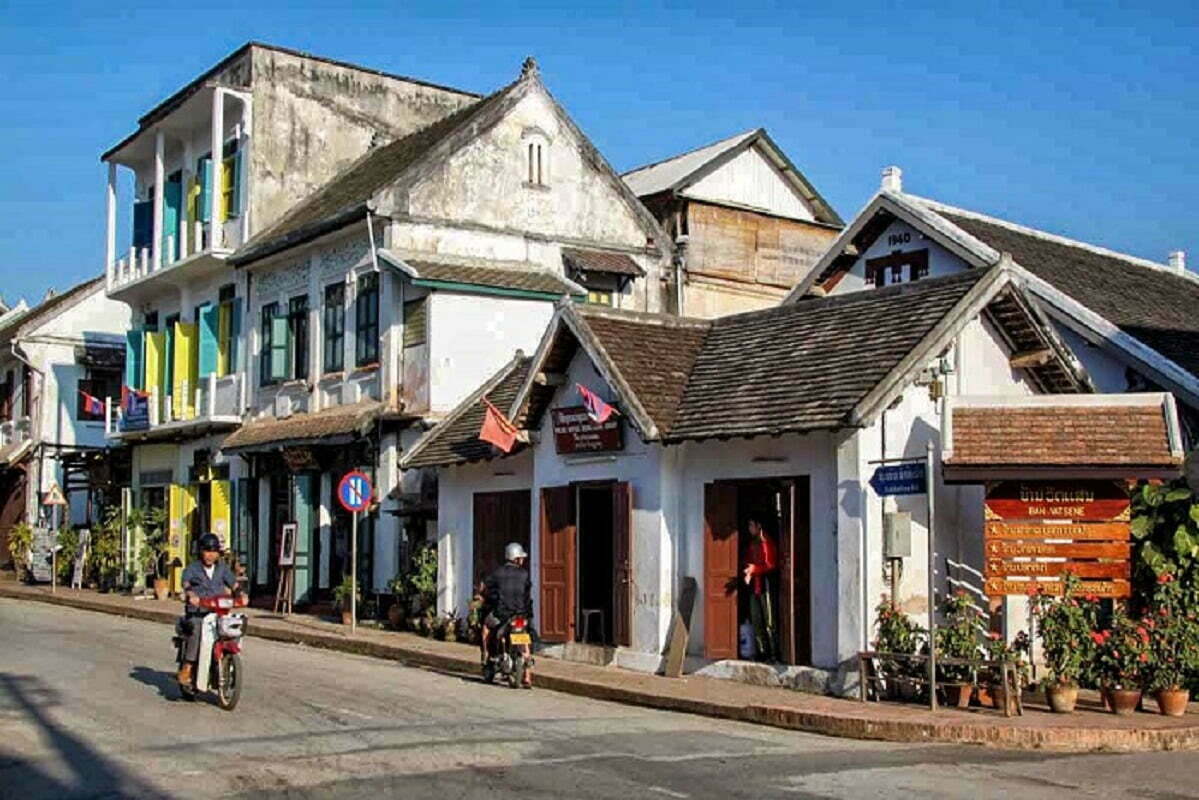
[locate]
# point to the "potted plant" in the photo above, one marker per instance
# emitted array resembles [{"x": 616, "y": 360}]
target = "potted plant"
[
  {"x": 1174, "y": 635},
  {"x": 957, "y": 638},
  {"x": 898, "y": 635},
  {"x": 449, "y": 626},
  {"x": 999, "y": 650},
  {"x": 1122, "y": 659},
  {"x": 399, "y": 590},
  {"x": 20, "y": 547},
  {"x": 1064, "y": 626},
  {"x": 430, "y": 625},
  {"x": 152, "y": 558},
  {"x": 342, "y": 595}
]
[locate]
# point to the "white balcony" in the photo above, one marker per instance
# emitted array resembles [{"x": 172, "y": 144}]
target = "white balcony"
[
  {"x": 194, "y": 256},
  {"x": 214, "y": 405}
]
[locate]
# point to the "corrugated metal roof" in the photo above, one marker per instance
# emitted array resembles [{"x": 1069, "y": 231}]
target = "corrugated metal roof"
[{"x": 663, "y": 175}]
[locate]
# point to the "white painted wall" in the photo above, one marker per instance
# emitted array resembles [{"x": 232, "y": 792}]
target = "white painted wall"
[
  {"x": 751, "y": 180},
  {"x": 901, "y": 237},
  {"x": 471, "y": 336}
]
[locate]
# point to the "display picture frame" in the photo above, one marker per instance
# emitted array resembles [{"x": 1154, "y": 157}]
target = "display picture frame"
[{"x": 287, "y": 544}]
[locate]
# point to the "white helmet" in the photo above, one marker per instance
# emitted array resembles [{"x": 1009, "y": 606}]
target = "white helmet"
[{"x": 514, "y": 551}]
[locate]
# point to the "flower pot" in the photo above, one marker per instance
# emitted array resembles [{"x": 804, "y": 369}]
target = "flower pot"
[
  {"x": 161, "y": 588},
  {"x": 414, "y": 624},
  {"x": 346, "y": 618},
  {"x": 1061, "y": 697},
  {"x": 395, "y": 616},
  {"x": 1173, "y": 702},
  {"x": 958, "y": 694},
  {"x": 1124, "y": 701}
]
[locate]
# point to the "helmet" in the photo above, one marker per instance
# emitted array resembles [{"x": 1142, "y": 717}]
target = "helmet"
[
  {"x": 209, "y": 543},
  {"x": 514, "y": 551}
]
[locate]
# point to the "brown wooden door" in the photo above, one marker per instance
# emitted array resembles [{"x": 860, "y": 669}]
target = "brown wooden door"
[
  {"x": 557, "y": 556},
  {"x": 801, "y": 527},
  {"x": 622, "y": 564},
  {"x": 720, "y": 570},
  {"x": 786, "y": 567},
  {"x": 499, "y": 518},
  {"x": 13, "y": 487}
]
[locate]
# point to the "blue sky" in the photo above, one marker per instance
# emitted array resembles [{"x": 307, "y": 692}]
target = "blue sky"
[{"x": 1073, "y": 118}]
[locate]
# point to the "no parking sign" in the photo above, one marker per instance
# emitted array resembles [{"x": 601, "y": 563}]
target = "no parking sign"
[{"x": 355, "y": 491}]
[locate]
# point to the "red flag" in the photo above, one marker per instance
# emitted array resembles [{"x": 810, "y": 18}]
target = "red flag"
[
  {"x": 91, "y": 404},
  {"x": 597, "y": 409},
  {"x": 497, "y": 429}
]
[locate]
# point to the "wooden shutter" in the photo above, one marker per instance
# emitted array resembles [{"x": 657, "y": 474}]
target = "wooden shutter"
[
  {"x": 134, "y": 358},
  {"x": 235, "y": 347},
  {"x": 172, "y": 204},
  {"x": 305, "y": 504},
  {"x": 280, "y": 331},
  {"x": 186, "y": 366},
  {"x": 220, "y": 513},
  {"x": 208, "y": 345},
  {"x": 155, "y": 362},
  {"x": 203, "y": 201},
  {"x": 143, "y": 224},
  {"x": 622, "y": 564},
  {"x": 557, "y": 569},
  {"x": 721, "y": 558}
]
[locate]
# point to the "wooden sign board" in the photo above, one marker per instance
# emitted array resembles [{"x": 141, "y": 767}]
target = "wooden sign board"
[
  {"x": 999, "y": 586},
  {"x": 1003, "y": 548},
  {"x": 575, "y": 432},
  {"x": 1089, "y": 501},
  {"x": 1002, "y": 568},
  {"x": 1081, "y": 532},
  {"x": 287, "y": 544}
]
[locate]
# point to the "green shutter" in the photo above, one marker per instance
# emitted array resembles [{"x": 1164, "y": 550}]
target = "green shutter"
[
  {"x": 209, "y": 316},
  {"x": 204, "y": 167},
  {"x": 305, "y": 504},
  {"x": 135, "y": 358},
  {"x": 280, "y": 348}
]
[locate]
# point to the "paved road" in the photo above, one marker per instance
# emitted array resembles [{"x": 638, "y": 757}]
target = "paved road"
[{"x": 88, "y": 709}]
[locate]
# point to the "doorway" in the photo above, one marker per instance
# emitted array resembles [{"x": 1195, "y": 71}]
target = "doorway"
[
  {"x": 499, "y": 518},
  {"x": 780, "y": 506},
  {"x": 595, "y": 567}
]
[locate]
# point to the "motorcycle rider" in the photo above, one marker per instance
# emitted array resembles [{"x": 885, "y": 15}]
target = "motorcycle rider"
[
  {"x": 207, "y": 577},
  {"x": 507, "y": 593}
]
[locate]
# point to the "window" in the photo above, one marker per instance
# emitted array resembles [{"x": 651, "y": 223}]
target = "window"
[
  {"x": 366, "y": 307},
  {"x": 602, "y": 288},
  {"x": 599, "y": 298},
  {"x": 297, "y": 315},
  {"x": 98, "y": 384},
  {"x": 536, "y": 158},
  {"x": 7, "y": 390},
  {"x": 151, "y": 323},
  {"x": 416, "y": 322},
  {"x": 231, "y": 179},
  {"x": 335, "y": 327},
  {"x": 265, "y": 373},
  {"x": 887, "y": 270}
]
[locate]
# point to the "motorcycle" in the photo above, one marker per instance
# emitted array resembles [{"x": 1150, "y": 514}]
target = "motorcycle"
[
  {"x": 219, "y": 668},
  {"x": 509, "y": 653}
]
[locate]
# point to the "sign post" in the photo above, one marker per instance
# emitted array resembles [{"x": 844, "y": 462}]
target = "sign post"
[
  {"x": 355, "y": 492},
  {"x": 54, "y": 499}
]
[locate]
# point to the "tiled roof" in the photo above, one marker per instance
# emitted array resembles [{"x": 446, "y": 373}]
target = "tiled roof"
[
  {"x": 601, "y": 261},
  {"x": 807, "y": 365},
  {"x": 1152, "y": 304},
  {"x": 526, "y": 280},
  {"x": 350, "y": 191},
  {"x": 333, "y": 423},
  {"x": 1039, "y": 435},
  {"x": 455, "y": 440}
]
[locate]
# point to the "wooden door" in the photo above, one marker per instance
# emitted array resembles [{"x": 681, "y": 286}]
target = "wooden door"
[
  {"x": 499, "y": 518},
  {"x": 787, "y": 584},
  {"x": 622, "y": 564},
  {"x": 802, "y": 556},
  {"x": 557, "y": 568},
  {"x": 12, "y": 508},
  {"x": 720, "y": 570}
]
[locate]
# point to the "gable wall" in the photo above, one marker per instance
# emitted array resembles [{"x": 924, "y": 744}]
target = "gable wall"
[
  {"x": 901, "y": 237},
  {"x": 749, "y": 179}
]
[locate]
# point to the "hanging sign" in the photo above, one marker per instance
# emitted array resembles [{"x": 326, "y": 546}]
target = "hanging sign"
[
  {"x": 354, "y": 491},
  {"x": 576, "y": 432},
  {"x": 1003, "y": 548},
  {"x": 287, "y": 544},
  {"x": 1087, "y": 531},
  {"x": 1005, "y": 568},
  {"x": 1079, "y": 501},
  {"x": 996, "y": 587},
  {"x": 53, "y": 496},
  {"x": 895, "y": 479}
]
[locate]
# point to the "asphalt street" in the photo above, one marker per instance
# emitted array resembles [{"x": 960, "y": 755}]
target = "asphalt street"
[{"x": 88, "y": 708}]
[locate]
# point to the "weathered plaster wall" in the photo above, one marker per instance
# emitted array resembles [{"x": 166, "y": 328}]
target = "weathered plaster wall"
[{"x": 313, "y": 118}]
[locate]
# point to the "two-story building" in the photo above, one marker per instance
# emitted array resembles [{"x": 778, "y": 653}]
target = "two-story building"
[
  {"x": 217, "y": 161},
  {"x": 60, "y": 362}
]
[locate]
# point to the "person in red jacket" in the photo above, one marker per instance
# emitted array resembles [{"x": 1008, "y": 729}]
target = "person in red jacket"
[{"x": 761, "y": 563}]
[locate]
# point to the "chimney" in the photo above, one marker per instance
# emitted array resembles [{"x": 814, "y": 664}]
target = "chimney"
[
  {"x": 1178, "y": 260},
  {"x": 892, "y": 179}
]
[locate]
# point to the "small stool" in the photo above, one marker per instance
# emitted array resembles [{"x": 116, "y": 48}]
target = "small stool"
[{"x": 587, "y": 614}]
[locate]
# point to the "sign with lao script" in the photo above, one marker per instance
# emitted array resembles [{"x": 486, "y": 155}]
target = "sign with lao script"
[
  {"x": 576, "y": 432},
  {"x": 997, "y": 587},
  {"x": 895, "y": 479},
  {"x": 1078, "y": 501}
]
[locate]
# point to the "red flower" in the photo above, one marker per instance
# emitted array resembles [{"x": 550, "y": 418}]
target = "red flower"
[
  {"x": 993, "y": 636},
  {"x": 1144, "y": 657},
  {"x": 1144, "y": 634},
  {"x": 1091, "y": 598},
  {"x": 1098, "y": 637},
  {"x": 1163, "y": 612}
]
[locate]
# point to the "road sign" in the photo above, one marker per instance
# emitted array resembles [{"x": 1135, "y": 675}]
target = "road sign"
[
  {"x": 997, "y": 587},
  {"x": 1006, "y": 568},
  {"x": 1070, "y": 501},
  {"x": 54, "y": 496},
  {"x": 354, "y": 491},
  {"x": 1079, "y": 532},
  {"x": 900, "y": 479}
]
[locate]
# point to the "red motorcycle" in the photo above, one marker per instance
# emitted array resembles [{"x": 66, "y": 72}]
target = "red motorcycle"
[
  {"x": 221, "y": 632},
  {"x": 509, "y": 653}
]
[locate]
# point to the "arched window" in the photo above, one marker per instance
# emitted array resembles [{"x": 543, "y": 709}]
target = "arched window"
[{"x": 536, "y": 156}]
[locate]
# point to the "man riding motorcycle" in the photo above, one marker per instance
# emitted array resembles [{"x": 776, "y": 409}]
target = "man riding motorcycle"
[
  {"x": 507, "y": 592},
  {"x": 207, "y": 577}
]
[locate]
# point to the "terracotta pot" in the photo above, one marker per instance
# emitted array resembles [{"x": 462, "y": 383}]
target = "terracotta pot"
[
  {"x": 1124, "y": 701},
  {"x": 958, "y": 694},
  {"x": 345, "y": 618},
  {"x": 1173, "y": 702},
  {"x": 1061, "y": 697},
  {"x": 162, "y": 588},
  {"x": 985, "y": 695}
]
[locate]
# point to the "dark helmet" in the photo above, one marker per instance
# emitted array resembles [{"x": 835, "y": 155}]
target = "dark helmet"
[{"x": 209, "y": 543}]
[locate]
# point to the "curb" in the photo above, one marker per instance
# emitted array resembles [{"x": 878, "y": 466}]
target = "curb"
[{"x": 1063, "y": 739}]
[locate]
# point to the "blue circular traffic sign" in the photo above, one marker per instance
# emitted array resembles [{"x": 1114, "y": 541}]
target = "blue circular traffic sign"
[{"x": 355, "y": 491}]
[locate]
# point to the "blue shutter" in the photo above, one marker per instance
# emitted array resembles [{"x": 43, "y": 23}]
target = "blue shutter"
[
  {"x": 172, "y": 201},
  {"x": 134, "y": 358},
  {"x": 305, "y": 504},
  {"x": 143, "y": 224},
  {"x": 209, "y": 315},
  {"x": 204, "y": 168}
]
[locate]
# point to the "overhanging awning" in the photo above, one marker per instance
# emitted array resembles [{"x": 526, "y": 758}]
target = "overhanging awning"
[{"x": 330, "y": 426}]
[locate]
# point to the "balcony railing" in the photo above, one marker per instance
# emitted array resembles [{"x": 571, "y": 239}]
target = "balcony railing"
[
  {"x": 214, "y": 401},
  {"x": 194, "y": 239}
]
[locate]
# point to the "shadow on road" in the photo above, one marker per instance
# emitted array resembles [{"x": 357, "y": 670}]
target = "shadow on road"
[
  {"x": 164, "y": 682},
  {"x": 94, "y": 774}
]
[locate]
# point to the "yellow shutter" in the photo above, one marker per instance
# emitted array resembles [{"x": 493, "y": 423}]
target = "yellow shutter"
[
  {"x": 226, "y": 187},
  {"x": 156, "y": 351},
  {"x": 176, "y": 533},
  {"x": 221, "y": 511},
  {"x": 187, "y": 370},
  {"x": 224, "y": 338}
]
